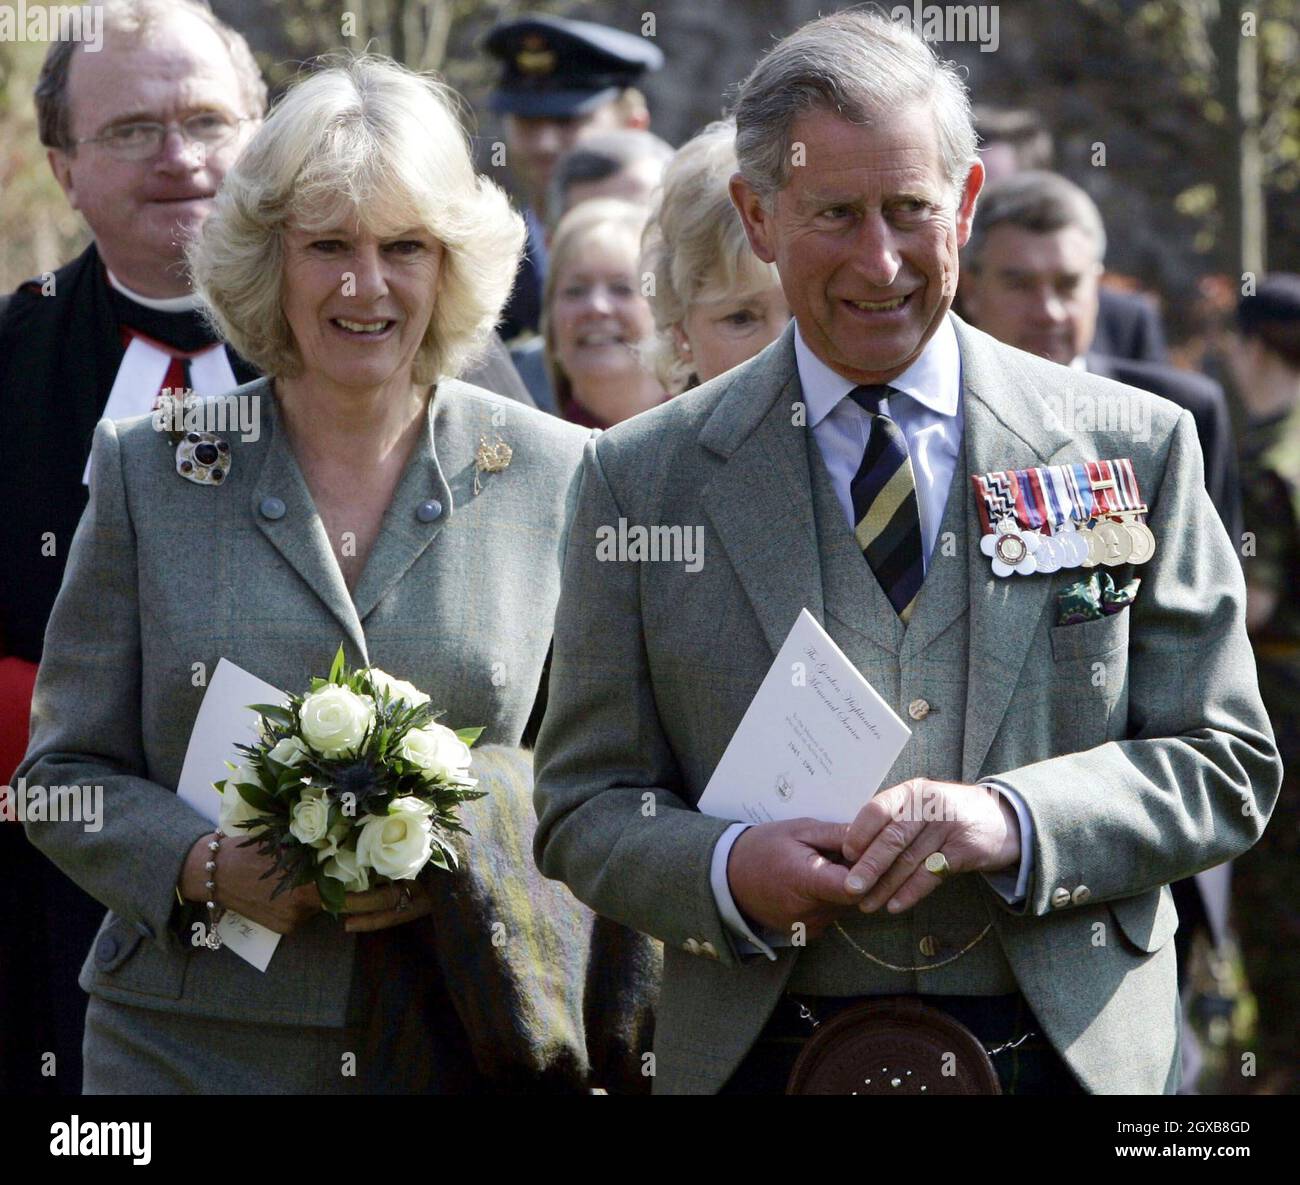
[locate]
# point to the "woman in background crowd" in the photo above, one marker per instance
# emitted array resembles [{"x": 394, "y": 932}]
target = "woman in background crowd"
[
  {"x": 715, "y": 303},
  {"x": 594, "y": 317}
]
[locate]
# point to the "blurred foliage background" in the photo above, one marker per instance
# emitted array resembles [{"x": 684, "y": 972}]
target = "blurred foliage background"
[{"x": 1195, "y": 104}]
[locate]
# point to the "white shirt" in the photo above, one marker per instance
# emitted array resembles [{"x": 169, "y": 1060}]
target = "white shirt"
[{"x": 929, "y": 414}]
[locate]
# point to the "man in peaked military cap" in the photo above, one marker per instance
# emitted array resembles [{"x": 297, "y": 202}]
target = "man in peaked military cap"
[{"x": 560, "y": 80}]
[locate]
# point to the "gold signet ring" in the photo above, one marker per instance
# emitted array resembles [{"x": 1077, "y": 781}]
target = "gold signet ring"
[{"x": 937, "y": 863}]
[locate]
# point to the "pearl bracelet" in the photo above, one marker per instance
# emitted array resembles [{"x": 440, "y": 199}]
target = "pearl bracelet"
[{"x": 213, "y": 940}]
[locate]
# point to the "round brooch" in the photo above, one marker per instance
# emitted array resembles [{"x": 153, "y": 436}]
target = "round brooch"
[{"x": 203, "y": 458}]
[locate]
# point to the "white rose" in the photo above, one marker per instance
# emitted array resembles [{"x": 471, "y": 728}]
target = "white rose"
[
  {"x": 328, "y": 844},
  {"x": 310, "y": 817},
  {"x": 396, "y": 688},
  {"x": 335, "y": 719},
  {"x": 436, "y": 750},
  {"x": 234, "y": 809},
  {"x": 396, "y": 845},
  {"x": 344, "y": 866},
  {"x": 288, "y": 751}
]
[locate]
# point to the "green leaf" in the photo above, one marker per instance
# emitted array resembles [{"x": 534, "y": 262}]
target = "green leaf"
[
  {"x": 332, "y": 893},
  {"x": 336, "y": 669},
  {"x": 255, "y": 796},
  {"x": 276, "y": 712},
  {"x": 469, "y": 735}
]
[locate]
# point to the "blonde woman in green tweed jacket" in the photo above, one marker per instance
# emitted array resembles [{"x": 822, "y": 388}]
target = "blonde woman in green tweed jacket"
[{"x": 355, "y": 257}]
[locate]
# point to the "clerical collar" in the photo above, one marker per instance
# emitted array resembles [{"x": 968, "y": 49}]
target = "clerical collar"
[{"x": 168, "y": 304}]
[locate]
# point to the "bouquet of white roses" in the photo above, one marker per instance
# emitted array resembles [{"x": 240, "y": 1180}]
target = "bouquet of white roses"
[{"x": 353, "y": 785}]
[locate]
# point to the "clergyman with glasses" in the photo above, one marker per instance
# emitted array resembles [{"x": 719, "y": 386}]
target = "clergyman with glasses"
[{"x": 140, "y": 134}]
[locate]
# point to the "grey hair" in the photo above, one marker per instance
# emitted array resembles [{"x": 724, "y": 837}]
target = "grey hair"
[
  {"x": 858, "y": 65},
  {"x": 371, "y": 140},
  {"x": 1036, "y": 201},
  {"x": 133, "y": 18},
  {"x": 695, "y": 245}
]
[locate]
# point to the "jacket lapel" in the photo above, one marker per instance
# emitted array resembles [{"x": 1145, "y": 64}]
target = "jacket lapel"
[
  {"x": 402, "y": 535},
  {"x": 1009, "y": 425},
  {"x": 298, "y": 534},
  {"x": 760, "y": 502}
]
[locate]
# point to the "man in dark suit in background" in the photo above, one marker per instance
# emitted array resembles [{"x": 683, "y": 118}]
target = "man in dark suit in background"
[
  {"x": 1014, "y": 141},
  {"x": 1030, "y": 277}
]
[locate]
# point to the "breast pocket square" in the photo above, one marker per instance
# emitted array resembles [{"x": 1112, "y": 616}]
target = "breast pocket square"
[{"x": 1094, "y": 598}]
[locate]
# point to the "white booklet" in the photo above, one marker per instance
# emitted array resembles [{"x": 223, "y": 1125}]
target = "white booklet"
[
  {"x": 815, "y": 742},
  {"x": 223, "y": 722}
]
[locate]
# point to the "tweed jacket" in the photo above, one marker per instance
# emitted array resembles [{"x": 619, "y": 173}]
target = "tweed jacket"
[
  {"x": 166, "y": 577},
  {"x": 1138, "y": 741}
]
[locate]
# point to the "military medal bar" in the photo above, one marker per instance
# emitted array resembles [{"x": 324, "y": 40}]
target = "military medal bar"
[{"x": 1078, "y": 515}]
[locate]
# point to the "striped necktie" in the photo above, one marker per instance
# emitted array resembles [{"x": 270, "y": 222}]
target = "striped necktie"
[{"x": 888, "y": 524}]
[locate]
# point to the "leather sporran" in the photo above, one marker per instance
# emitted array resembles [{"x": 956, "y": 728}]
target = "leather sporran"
[{"x": 894, "y": 1046}]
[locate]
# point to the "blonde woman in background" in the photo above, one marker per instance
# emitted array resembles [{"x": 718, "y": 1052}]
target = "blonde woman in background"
[
  {"x": 715, "y": 303},
  {"x": 595, "y": 320}
]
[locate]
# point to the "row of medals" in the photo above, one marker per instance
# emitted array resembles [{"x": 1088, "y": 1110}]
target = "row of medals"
[{"x": 1109, "y": 541}]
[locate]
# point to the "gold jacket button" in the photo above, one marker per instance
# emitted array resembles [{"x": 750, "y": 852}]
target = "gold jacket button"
[
  {"x": 918, "y": 709},
  {"x": 929, "y": 946},
  {"x": 691, "y": 946},
  {"x": 709, "y": 950},
  {"x": 1081, "y": 894},
  {"x": 1060, "y": 898}
]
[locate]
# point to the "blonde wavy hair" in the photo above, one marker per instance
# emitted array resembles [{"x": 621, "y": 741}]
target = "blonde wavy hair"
[
  {"x": 695, "y": 246},
  {"x": 572, "y": 233},
  {"x": 365, "y": 138}
]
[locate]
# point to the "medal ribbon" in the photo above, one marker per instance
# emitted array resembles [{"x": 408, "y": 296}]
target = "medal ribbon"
[
  {"x": 1104, "y": 487},
  {"x": 994, "y": 498},
  {"x": 1052, "y": 510},
  {"x": 1030, "y": 508},
  {"x": 1081, "y": 490},
  {"x": 1130, "y": 494}
]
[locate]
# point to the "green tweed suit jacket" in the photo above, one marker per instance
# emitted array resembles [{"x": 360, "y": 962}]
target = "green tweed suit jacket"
[
  {"x": 1172, "y": 770},
  {"x": 166, "y": 577}
]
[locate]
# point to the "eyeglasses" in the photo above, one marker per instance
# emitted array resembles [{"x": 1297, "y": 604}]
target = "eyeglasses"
[{"x": 144, "y": 140}]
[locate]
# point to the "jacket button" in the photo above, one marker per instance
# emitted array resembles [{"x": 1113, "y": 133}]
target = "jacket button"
[
  {"x": 918, "y": 709},
  {"x": 1081, "y": 894},
  {"x": 929, "y": 946},
  {"x": 271, "y": 508},
  {"x": 709, "y": 950},
  {"x": 691, "y": 946},
  {"x": 426, "y": 512},
  {"x": 1060, "y": 898},
  {"x": 105, "y": 949},
  {"x": 144, "y": 929}
]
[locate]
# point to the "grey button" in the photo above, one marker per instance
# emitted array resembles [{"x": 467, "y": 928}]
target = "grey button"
[
  {"x": 1081, "y": 894},
  {"x": 1060, "y": 897},
  {"x": 918, "y": 709},
  {"x": 426, "y": 512},
  {"x": 105, "y": 949},
  {"x": 144, "y": 929},
  {"x": 272, "y": 508}
]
